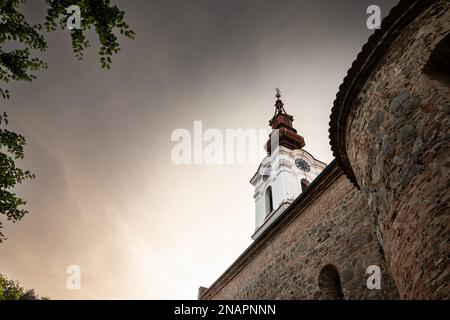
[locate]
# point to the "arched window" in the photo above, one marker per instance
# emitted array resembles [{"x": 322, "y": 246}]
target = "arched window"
[
  {"x": 305, "y": 184},
  {"x": 269, "y": 201},
  {"x": 330, "y": 283},
  {"x": 438, "y": 65}
]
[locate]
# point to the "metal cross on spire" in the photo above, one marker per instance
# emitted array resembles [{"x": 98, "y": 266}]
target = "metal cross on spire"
[
  {"x": 279, "y": 106},
  {"x": 278, "y": 95}
]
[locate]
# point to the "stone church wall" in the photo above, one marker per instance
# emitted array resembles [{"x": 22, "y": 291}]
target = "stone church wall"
[
  {"x": 390, "y": 134},
  {"x": 328, "y": 224},
  {"x": 398, "y": 142}
]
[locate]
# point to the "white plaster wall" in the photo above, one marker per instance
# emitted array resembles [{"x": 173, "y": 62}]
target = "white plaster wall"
[{"x": 285, "y": 179}]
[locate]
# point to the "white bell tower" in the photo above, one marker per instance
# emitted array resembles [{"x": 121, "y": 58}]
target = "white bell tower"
[{"x": 285, "y": 173}]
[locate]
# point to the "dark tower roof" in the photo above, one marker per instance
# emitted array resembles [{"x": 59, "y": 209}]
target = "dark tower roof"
[{"x": 282, "y": 121}]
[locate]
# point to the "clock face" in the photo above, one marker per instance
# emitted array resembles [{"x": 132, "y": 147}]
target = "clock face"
[{"x": 303, "y": 165}]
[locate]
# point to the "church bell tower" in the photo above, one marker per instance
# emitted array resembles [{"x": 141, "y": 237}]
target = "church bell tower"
[{"x": 284, "y": 173}]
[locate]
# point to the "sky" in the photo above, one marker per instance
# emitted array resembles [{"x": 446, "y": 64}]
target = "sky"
[{"x": 107, "y": 196}]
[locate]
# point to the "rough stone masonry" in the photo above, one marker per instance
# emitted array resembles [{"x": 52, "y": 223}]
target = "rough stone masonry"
[{"x": 385, "y": 199}]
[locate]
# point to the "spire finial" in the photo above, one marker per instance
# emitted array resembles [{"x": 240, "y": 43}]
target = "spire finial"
[
  {"x": 278, "y": 95},
  {"x": 279, "y": 106},
  {"x": 282, "y": 121}
]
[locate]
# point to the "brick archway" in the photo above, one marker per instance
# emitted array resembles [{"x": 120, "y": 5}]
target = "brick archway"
[{"x": 330, "y": 283}]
